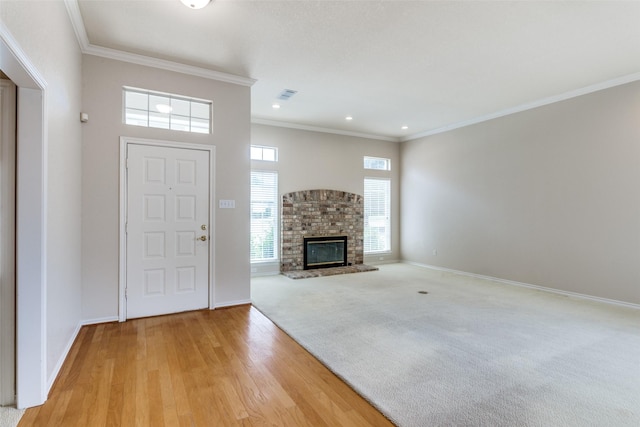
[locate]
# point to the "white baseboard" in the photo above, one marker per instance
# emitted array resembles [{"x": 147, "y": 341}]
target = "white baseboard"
[
  {"x": 383, "y": 262},
  {"x": 63, "y": 357},
  {"x": 233, "y": 303},
  {"x": 528, "y": 285},
  {"x": 107, "y": 319},
  {"x": 67, "y": 349}
]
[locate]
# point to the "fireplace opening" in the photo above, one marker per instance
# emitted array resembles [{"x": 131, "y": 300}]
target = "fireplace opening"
[{"x": 325, "y": 251}]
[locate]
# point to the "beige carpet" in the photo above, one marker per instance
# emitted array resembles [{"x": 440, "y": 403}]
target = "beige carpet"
[
  {"x": 10, "y": 417},
  {"x": 437, "y": 349}
]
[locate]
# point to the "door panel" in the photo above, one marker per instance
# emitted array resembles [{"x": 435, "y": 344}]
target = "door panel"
[{"x": 168, "y": 192}]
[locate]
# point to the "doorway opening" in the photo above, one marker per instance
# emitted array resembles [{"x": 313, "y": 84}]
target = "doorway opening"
[
  {"x": 7, "y": 241},
  {"x": 30, "y": 231}
]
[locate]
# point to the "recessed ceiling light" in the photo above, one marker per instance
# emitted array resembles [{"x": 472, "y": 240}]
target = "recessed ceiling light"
[
  {"x": 195, "y": 4},
  {"x": 405, "y": 127},
  {"x": 275, "y": 106},
  {"x": 164, "y": 108},
  {"x": 348, "y": 118}
]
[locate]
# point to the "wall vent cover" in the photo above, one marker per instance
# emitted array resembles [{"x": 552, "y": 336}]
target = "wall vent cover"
[{"x": 286, "y": 94}]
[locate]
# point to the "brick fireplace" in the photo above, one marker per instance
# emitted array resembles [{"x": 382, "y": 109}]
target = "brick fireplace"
[{"x": 320, "y": 213}]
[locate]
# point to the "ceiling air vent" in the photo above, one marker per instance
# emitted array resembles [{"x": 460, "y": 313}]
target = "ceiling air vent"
[{"x": 286, "y": 94}]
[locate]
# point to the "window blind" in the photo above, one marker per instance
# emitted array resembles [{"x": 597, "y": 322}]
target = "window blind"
[
  {"x": 377, "y": 214},
  {"x": 264, "y": 215}
]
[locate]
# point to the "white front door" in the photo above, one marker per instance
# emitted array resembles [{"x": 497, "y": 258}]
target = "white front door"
[{"x": 167, "y": 230}]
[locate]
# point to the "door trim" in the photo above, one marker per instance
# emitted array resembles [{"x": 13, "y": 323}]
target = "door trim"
[
  {"x": 31, "y": 229},
  {"x": 122, "y": 277}
]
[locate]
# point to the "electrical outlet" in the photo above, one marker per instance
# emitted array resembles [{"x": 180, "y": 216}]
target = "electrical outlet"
[{"x": 227, "y": 204}]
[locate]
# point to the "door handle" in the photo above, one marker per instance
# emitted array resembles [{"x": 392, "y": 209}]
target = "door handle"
[{"x": 203, "y": 238}]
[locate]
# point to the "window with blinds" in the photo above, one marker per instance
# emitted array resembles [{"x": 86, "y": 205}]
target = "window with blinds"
[
  {"x": 264, "y": 215},
  {"x": 377, "y": 214}
]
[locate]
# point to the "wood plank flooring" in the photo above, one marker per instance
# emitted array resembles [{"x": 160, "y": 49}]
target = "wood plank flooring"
[{"x": 227, "y": 367}]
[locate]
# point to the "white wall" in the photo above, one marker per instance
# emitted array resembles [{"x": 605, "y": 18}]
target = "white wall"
[
  {"x": 44, "y": 34},
  {"x": 547, "y": 197},
  {"x": 103, "y": 80},
  {"x": 313, "y": 160}
]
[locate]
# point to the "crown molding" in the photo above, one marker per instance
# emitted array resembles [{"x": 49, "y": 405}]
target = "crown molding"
[
  {"x": 73, "y": 10},
  {"x": 298, "y": 126},
  {"x": 88, "y": 49},
  {"x": 167, "y": 65},
  {"x": 529, "y": 106},
  {"x": 502, "y": 113}
]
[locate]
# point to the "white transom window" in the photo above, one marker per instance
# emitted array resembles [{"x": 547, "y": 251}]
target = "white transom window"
[
  {"x": 377, "y": 163},
  {"x": 166, "y": 111}
]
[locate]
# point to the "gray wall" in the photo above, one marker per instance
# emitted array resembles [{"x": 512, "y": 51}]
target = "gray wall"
[
  {"x": 312, "y": 160},
  {"x": 547, "y": 197},
  {"x": 103, "y": 80}
]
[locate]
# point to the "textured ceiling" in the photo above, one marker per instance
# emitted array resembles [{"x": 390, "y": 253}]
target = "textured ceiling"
[{"x": 428, "y": 65}]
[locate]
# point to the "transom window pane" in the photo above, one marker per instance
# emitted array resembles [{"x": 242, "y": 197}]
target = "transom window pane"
[
  {"x": 377, "y": 163},
  {"x": 166, "y": 111},
  {"x": 200, "y": 110},
  {"x": 180, "y": 107},
  {"x": 268, "y": 154},
  {"x": 137, "y": 100}
]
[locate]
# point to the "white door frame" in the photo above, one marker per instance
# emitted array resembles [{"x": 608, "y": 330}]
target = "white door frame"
[
  {"x": 31, "y": 227},
  {"x": 122, "y": 281}
]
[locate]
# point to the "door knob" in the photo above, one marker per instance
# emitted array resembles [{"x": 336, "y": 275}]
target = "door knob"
[{"x": 203, "y": 238}]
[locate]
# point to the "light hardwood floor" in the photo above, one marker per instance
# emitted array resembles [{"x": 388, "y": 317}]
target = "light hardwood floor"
[{"x": 227, "y": 367}]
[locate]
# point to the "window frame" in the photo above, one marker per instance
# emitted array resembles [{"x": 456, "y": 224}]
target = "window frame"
[
  {"x": 264, "y": 148},
  {"x": 387, "y": 163},
  {"x": 170, "y": 120},
  {"x": 274, "y": 218},
  {"x": 387, "y": 220}
]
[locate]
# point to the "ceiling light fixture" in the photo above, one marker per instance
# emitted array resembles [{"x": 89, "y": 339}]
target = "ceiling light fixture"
[
  {"x": 275, "y": 106},
  {"x": 348, "y": 118},
  {"x": 405, "y": 127},
  {"x": 195, "y": 4}
]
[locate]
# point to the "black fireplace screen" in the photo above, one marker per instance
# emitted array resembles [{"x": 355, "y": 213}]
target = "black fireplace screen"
[{"x": 326, "y": 251}]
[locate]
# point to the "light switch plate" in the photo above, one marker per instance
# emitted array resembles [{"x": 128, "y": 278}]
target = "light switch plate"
[{"x": 227, "y": 204}]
